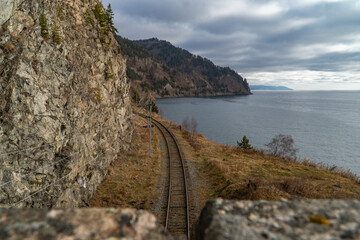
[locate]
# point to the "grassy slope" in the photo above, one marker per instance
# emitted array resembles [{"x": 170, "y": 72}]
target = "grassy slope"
[
  {"x": 132, "y": 178},
  {"x": 219, "y": 171},
  {"x": 249, "y": 174}
]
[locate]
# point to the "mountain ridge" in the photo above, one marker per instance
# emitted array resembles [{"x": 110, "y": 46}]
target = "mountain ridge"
[{"x": 158, "y": 67}]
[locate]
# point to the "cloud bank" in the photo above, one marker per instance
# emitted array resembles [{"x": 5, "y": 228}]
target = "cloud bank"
[{"x": 308, "y": 44}]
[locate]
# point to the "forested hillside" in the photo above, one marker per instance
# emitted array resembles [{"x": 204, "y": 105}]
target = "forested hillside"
[{"x": 167, "y": 71}]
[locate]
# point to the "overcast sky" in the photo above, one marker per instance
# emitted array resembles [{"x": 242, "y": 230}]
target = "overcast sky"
[{"x": 303, "y": 44}]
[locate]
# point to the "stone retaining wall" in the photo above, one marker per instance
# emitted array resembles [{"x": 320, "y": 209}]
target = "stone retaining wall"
[
  {"x": 288, "y": 219},
  {"x": 220, "y": 219}
]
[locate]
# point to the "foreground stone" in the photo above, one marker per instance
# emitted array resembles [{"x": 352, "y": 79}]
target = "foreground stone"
[
  {"x": 79, "y": 224},
  {"x": 288, "y": 219}
]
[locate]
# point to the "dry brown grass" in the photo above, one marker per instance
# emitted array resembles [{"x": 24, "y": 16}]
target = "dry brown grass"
[
  {"x": 17, "y": 38},
  {"x": 220, "y": 171},
  {"x": 132, "y": 178},
  {"x": 236, "y": 173},
  {"x": 8, "y": 47}
]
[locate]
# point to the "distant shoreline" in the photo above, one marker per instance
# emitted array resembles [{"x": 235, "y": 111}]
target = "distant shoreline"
[
  {"x": 207, "y": 96},
  {"x": 269, "y": 88}
]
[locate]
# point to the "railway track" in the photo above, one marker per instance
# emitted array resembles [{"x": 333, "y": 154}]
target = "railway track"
[{"x": 175, "y": 207}]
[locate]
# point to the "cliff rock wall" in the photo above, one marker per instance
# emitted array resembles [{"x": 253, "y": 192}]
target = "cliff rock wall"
[{"x": 64, "y": 102}]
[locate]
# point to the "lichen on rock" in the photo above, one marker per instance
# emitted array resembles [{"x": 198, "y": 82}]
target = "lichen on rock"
[
  {"x": 286, "y": 219},
  {"x": 95, "y": 223}
]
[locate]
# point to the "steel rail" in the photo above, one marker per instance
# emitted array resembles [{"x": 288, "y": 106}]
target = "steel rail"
[
  {"x": 169, "y": 190},
  {"x": 157, "y": 123}
]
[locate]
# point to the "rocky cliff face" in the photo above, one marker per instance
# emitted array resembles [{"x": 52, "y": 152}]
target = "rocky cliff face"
[{"x": 64, "y": 102}]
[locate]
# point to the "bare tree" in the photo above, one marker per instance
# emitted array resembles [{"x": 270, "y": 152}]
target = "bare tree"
[
  {"x": 282, "y": 146},
  {"x": 190, "y": 126},
  {"x": 194, "y": 125},
  {"x": 186, "y": 124}
]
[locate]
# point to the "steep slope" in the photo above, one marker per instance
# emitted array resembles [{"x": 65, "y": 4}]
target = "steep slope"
[
  {"x": 168, "y": 71},
  {"x": 65, "y": 111}
]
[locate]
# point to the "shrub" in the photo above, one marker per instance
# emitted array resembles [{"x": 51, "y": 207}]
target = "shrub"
[
  {"x": 88, "y": 17},
  {"x": 145, "y": 86},
  {"x": 98, "y": 95},
  {"x": 8, "y": 47},
  {"x": 97, "y": 11},
  {"x": 154, "y": 108},
  {"x": 282, "y": 146},
  {"x": 186, "y": 124},
  {"x": 55, "y": 32},
  {"x": 131, "y": 74},
  {"x": 60, "y": 12},
  {"x": 194, "y": 125},
  {"x": 100, "y": 15},
  {"x": 44, "y": 28},
  {"x": 107, "y": 71},
  {"x": 244, "y": 143},
  {"x": 190, "y": 126},
  {"x": 136, "y": 96}
]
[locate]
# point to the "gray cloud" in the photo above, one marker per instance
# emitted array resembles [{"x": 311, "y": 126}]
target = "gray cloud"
[{"x": 254, "y": 36}]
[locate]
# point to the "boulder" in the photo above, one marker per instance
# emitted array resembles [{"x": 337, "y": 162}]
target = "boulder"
[
  {"x": 287, "y": 219},
  {"x": 79, "y": 224}
]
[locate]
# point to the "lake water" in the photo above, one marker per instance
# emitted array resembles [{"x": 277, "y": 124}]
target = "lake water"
[{"x": 325, "y": 125}]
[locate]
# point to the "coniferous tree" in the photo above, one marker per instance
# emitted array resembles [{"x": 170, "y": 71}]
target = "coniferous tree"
[
  {"x": 244, "y": 143},
  {"x": 97, "y": 11},
  {"x": 55, "y": 30},
  {"x": 110, "y": 17},
  {"x": 44, "y": 28},
  {"x": 60, "y": 12}
]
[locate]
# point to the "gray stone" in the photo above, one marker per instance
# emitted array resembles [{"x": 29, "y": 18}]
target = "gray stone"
[
  {"x": 287, "y": 219},
  {"x": 58, "y": 105},
  {"x": 8, "y": 8},
  {"x": 79, "y": 224}
]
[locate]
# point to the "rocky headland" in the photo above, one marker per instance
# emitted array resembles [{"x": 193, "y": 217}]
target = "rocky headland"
[{"x": 158, "y": 67}]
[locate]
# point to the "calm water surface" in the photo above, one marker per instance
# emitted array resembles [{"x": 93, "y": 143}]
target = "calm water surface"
[{"x": 324, "y": 124}]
